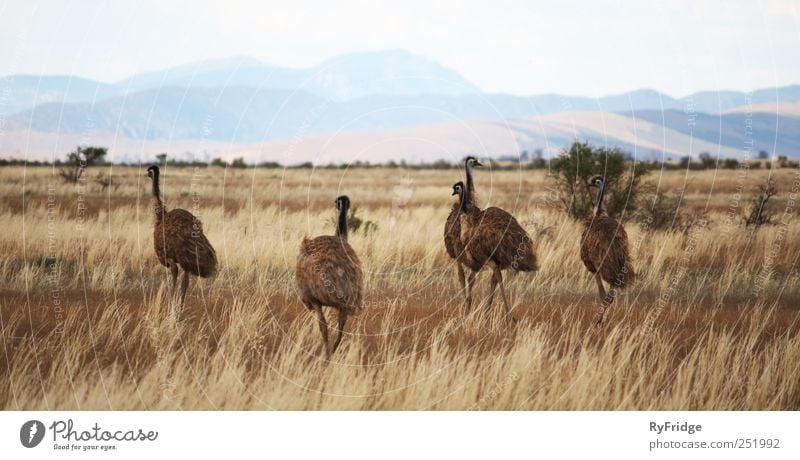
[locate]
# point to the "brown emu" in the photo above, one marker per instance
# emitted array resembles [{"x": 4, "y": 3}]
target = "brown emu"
[
  {"x": 179, "y": 241},
  {"x": 604, "y": 251},
  {"x": 452, "y": 227},
  {"x": 328, "y": 273},
  {"x": 492, "y": 237}
]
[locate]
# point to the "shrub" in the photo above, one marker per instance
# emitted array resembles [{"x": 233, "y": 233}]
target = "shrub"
[
  {"x": 79, "y": 160},
  {"x": 238, "y": 163},
  {"x": 574, "y": 167},
  {"x": 759, "y": 213},
  {"x": 355, "y": 223},
  {"x": 707, "y": 161},
  {"x": 664, "y": 212},
  {"x": 730, "y": 163}
]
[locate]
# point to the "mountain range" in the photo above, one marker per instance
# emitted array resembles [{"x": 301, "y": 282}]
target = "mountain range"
[{"x": 414, "y": 108}]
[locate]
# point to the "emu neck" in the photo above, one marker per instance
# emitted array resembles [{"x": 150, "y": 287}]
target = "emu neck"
[
  {"x": 158, "y": 205},
  {"x": 600, "y": 195},
  {"x": 341, "y": 225},
  {"x": 463, "y": 201},
  {"x": 470, "y": 185}
]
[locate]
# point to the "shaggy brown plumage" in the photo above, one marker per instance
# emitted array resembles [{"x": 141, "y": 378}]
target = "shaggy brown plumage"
[
  {"x": 328, "y": 273},
  {"x": 605, "y": 251},
  {"x": 179, "y": 241},
  {"x": 452, "y": 226},
  {"x": 493, "y": 237}
]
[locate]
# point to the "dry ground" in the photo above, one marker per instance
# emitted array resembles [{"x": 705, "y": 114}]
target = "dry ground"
[{"x": 712, "y": 322}]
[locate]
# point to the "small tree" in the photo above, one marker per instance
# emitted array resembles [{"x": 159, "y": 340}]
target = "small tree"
[
  {"x": 730, "y": 163},
  {"x": 238, "y": 163},
  {"x": 759, "y": 214},
  {"x": 573, "y": 169},
  {"x": 707, "y": 161},
  {"x": 162, "y": 159},
  {"x": 80, "y": 159}
]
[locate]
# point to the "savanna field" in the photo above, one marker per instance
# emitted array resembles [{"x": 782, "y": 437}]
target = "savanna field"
[{"x": 711, "y": 323}]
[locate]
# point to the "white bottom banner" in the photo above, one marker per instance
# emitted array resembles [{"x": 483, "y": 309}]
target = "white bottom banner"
[{"x": 382, "y": 435}]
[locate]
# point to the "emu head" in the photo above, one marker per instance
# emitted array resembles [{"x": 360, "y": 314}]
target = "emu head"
[
  {"x": 596, "y": 181},
  {"x": 458, "y": 188},
  {"x": 152, "y": 172},
  {"x": 342, "y": 203},
  {"x": 471, "y": 161}
]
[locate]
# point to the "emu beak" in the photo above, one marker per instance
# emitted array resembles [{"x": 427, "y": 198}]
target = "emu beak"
[
  {"x": 454, "y": 193},
  {"x": 478, "y": 163}
]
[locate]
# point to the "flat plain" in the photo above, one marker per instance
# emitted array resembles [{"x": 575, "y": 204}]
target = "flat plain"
[{"x": 711, "y": 323}]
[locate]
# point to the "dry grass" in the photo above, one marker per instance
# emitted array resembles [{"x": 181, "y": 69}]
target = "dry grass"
[{"x": 712, "y": 322}]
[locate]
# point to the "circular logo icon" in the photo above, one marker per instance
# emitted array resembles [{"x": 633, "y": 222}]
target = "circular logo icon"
[{"x": 31, "y": 433}]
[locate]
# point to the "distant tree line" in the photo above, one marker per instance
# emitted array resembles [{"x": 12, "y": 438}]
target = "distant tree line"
[{"x": 76, "y": 161}]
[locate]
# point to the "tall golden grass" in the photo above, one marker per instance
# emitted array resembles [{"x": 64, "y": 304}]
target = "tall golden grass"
[{"x": 711, "y": 323}]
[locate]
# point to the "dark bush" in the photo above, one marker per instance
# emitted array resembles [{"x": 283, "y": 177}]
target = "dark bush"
[
  {"x": 79, "y": 160},
  {"x": 574, "y": 167},
  {"x": 355, "y": 223},
  {"x": 730, "y": 163},
  {"x": 663, "y": 211},
  {"x": 760, "y": 213}
]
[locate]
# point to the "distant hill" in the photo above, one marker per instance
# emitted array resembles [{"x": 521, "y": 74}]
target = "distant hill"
[
  {"x": 648, "y": 137},
  {"x": 24, "y": 92},
  {"x": 451, "y": 141},
  {"x": 241, "y": 101},
  {"x": 350, "y": 76},
  {"x": 782, "y": 109},
  {"x": 389, "y": 74},
  {"x": 735, "y": 129}
]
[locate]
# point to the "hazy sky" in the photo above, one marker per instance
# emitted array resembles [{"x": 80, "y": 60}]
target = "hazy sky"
[{"x": 588, "y": 48}]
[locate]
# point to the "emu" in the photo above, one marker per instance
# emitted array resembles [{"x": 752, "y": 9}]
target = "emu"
[
  {"x": 328, "y": 273},
  {"x": 452, "y": 226},
  {"x": 604, "y": 251},
  {"x": 179, "y": 241},
  {"x": 492, "y": 237}
]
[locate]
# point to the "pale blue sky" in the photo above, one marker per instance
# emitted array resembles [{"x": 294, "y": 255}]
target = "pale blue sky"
[{"x": 588, "y": 48}]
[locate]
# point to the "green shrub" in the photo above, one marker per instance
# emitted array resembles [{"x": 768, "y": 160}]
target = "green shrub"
[
  {"x": 355, "y": 223},
  {"x": 574, "y": 167},
  {"x": 80, "y": 159},
  {"x": 663, "y": 211}
]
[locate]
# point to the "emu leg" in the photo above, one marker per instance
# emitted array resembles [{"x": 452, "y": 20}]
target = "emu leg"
[
  {"x": 342, "y": 321},
  {"x": 499, "y": 275},
  {"x": 492, "y": 289},
  {"x": 470, "y": 285},
  {"x": 607, "y": 301},
  {"x": 323, "y": 329},
  {"x": 184, "y": 286},
  {"x": 460, "y": 275},
  {"x": 603, "y": 305},
  {"x": 173, "y": 269},
  {"x": 600, "y": 289}
]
